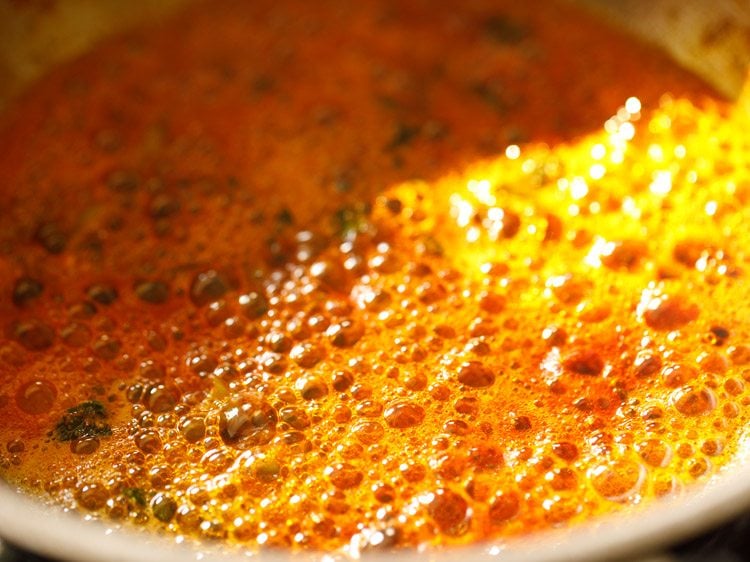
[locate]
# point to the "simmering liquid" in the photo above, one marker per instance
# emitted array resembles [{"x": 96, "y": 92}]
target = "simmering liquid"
[{"x": 368, "y": 275}]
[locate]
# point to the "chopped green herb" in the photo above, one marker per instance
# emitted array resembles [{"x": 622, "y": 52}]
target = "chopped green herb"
[
  {"x": 492, "y": 96},
  {"x": 403, "y": 134},
  {"x": 84, "y": 420},
  {"x": 219, "y": 391},
  {"x": 350, "y": 221},
  {"x": 432, "y": 246},
  {"x": 137, "y": 495},
  {"x": 504, "y": 30},
  {"x": 343, "y": 183},
  {"x": 284, "y": 217}
]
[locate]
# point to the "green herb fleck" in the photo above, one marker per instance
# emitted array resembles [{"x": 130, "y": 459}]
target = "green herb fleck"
[
  {"x": 219, "y": 391},
  {"x": 402, "y": 135},
  {"x": 343, "y": 182},
  {"x": 504, "y": 30},
  {"x": 84, "y": 420},
  {"x": 350, "y": 221},
  {"x": 284, "y": 217},
  {"x": 432, "y": 247},
  {"x": 137, "y": 495},
  {"x": 491, "y": 95}
]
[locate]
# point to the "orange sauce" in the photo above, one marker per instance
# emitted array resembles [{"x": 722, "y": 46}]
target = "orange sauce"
[{"x": 370, "y": 275}]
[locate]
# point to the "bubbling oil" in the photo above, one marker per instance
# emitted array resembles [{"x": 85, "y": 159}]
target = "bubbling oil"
[{"x": 525, "y": 342}]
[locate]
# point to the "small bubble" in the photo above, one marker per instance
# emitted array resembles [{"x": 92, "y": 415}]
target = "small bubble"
[
  {"x": 369, "y": 409},
  {"x": 15, "y": 446},
  {"x": 34, "y": 335},
  {"x": 503, "y": 507},
  {"x": 675, "y": 375},
  {"x": 569, "y": 290},
  {"x": 154, "y": 292},
  {"x": 554, "y": 336},
  {"x": 156, "y": 341},
  {"x": 247, "y": 421},
  {"x": 341, "y": 413},
  {"x": 712, "y": 447},
  {"x": 151, "y": 371},
  {"x": 562, "y": 479},
  {"x": 413, "y": 471},
  {"x": 160, "y": 475},
  {"x": 330, "y": 275},
  {"x": 148, "y": 441},
  {"x": 209, "y": 286},
  {"x": 654, "y": 452},
  {"x": 84, "y": 446},
  {"x": 445, "y": 331},
  {"x": 712, "y": 362},
  {"x": 401, "y": 415},
  {"x": 583, "y": 361},
  {"x": 162, "y": 206},
  {"x": 468, "y": 405},
  {"x": 160, "y": 399},
  {"x": 36, "y": 397},
  {"x": 92, "y": 496},
  {"x": 735, "y": 387},
  {"x": 449, "y": 510},
  {"x": 106, "y": 347},
  {"x": 618, "y": 480},
  {"x": 307, "y": 354},
  {"x": 521, "y": 423},
  {"x": 565, "y": 450},
  {"x": 719, "y": 335},
  {"x": 368, "y": 432},
  {"x": 295, "y": 417},
  {"x": 669, "y": 313},
  {"x": 51, "y": 238},
  {"x": 253, "y": 305},
  {"x": 163, "y": 507},
  {"x": 626, "y": 254},
  {"x": 486, "y": 457},
  {"x": 456, "y": 427},
  {"x": 693, "y": 401},
  {"x": 202, "y": 363},
  {"x": 311, "y": 387},
  {"x": 25, "y": 290},
  {"x": 646, "y": 363},
  {"x": 82, "y": 311},
  {"x": 102, "y": 294},
  {"x": 449, "y": 466},
  {"x": 475, "y": 374},
  {"x": 122, "y": 181},
  {"x": 415, "y": 381},
  {"x": 266, "y": 469},
  {"x": 345, "y": 333},
  {"x": 75, "y": 335},
  {"x": 384, "y": 493},
  {"x": 341, "y": 380},
  {"x": 491, "y": 303},
  {"x": 698, "y": 467},
  {"x": 192, "y": 428},
  {"x": 554, "y": 228},
  {"x": 688, "y": 252},
  {"x": 739, "y": 354},
  {"x": 343, "y": 475},
  {"x": 558, "y": 509}
]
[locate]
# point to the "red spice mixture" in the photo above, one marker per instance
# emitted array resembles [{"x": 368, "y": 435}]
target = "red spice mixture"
[{"x": 309, "y": 274}]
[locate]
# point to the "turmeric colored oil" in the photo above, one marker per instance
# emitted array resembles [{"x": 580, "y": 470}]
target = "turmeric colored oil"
[{"x": 364, "y": 275}]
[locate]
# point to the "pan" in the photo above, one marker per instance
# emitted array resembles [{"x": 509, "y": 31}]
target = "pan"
[{"x": 38, "y": 37}]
